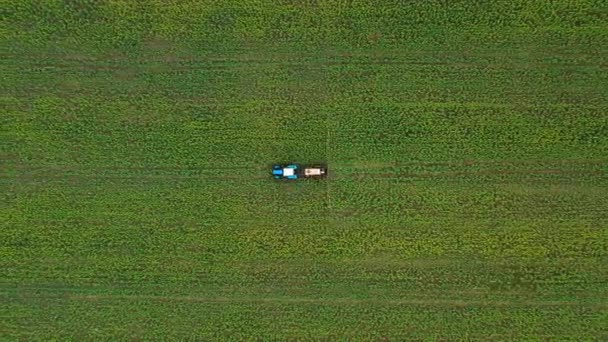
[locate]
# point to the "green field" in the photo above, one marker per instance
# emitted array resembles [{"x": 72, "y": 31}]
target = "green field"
[{"x": 467, "y": 145}]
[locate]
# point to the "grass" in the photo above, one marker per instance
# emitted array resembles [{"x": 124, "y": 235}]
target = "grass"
[{"x": 467, "y": 145}]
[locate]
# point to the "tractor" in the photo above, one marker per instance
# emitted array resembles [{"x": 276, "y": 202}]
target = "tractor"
[{"x": 296, "y": 171}]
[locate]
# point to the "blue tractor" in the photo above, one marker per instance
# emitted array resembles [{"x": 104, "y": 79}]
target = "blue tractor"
[
  {"x": 295, "y": 171},
  {"x": 290, "y": 171}
]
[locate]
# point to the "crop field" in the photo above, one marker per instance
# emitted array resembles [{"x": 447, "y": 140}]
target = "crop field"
[{"x": 466, "y": 142}]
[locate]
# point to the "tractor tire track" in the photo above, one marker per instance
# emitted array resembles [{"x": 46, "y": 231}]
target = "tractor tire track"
[
  {"x": 337, "y": 166},
  {"x": 455, "y": 174},
  {"x": 34, "y": 173},
  {"x": 278, "y": 58},
  {"x": 317, "y": 301},
  {"x": 469, "y": 163}
]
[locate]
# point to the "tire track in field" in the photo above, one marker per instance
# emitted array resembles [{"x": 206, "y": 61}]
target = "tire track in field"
[
  {"x": 358, "y": 171},
  {"x": 320, "y": 60},
  {"x": 355, "y": 166},
  {"x": 469, "y": 162},
  {"x": 82, "y": 177},
  {"x": 39, "y": 173},
  {"x": 455, "y": 174},
  {"x": 467, "y": 168},
  {"x": 130, "y": 71},
  {"x": 242, "y": 55},
  {"x": 342, "y": 301},
  {"x": 328, "y": 131},
  {"x": 60, "y": 295},
  {"x": 130, "y": 168}
]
